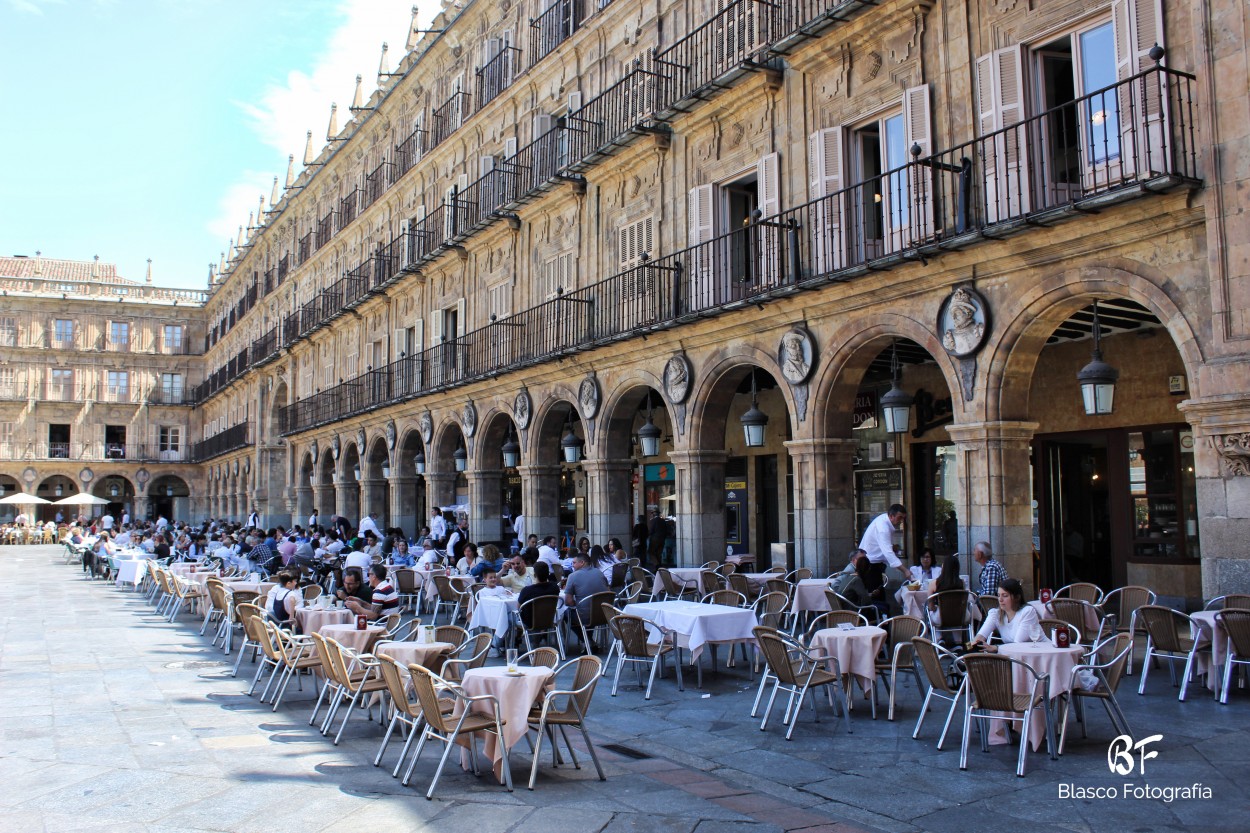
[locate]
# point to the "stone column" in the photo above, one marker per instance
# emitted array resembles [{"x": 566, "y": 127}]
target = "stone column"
[
  {"x": 609, "y": 498},
  {"x": 700, "y": 484},
  {"x": 404, "y": 511},
  {"x": 440, "y": 489},
  {"x": 374, "y": 498},
  {"x": 824, "y": 503},
  {"x": 305, "y": 498},
  {"x": 142, "y": 507},
  {"x": 540, "y": 495},
  {"x": 273, "y": 481},
  {"x": 486, "y": 506},
  {"x": 1222, "y": 482},
  {"x": 323, "y": 501},
  {"x": 347, "y": 499},
  {"x": 994, "y": 470}
]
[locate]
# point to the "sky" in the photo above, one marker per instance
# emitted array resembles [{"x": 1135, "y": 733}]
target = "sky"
[{"x": 139, "y": 129}]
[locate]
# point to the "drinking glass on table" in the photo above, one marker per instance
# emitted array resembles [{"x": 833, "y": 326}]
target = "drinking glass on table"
[{"x": 512, "y": 669}]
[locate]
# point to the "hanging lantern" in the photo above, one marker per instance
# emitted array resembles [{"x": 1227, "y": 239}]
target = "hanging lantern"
[
  {"x": 754, "y": 421},
  {"x": 511, "y": 451},
  {"x": 1097, "y": 379},
  {"x": 418, "y": 462},
  {"x": 571, "y": 444},
  {"x": 460, "y": 457},
  {"x": 896, "y": 404}
]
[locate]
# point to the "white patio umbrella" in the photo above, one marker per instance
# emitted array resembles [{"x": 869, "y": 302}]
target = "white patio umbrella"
[
  {"x": 23, "y": 499},
  {"x": 81, "y": 499}
]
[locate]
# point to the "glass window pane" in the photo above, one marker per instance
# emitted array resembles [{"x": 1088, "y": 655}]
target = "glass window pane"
[
  {"x": 1102, "y": 110},
  {"x": 896, "y": 157}
]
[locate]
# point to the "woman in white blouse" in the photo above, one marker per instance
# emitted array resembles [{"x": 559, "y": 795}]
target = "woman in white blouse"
[{"x": 1013, "y": 619}]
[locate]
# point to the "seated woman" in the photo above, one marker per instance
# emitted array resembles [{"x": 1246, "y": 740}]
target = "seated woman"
[
  {"x": 925, "y": 569},
  {"x": 1013, "y": 620},
  {"x": 284, "y": 598},
  {"x": 867, "y": 587}
]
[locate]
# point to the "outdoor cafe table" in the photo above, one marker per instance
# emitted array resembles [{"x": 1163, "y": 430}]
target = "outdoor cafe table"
[
  {"x": 687, "y": 577},
  {"x": 347, "y": 635},
  {"x": 697, "y": 623},
  {"x": 494, "y": 613},
  {"x": 1045, "y": 658},
  {"x": 758, "y": 580},
  {"x": 427, "y": 654},
  {"x": 1218, "y": 637},
  {"x": 261, "y": 587},
  {"x": 132, "y": 567},
  {"x": 740, "y": 559},
  {"x": 809, "y": 595},
  {"x": 855, "y": 649},
  {"x": 313, "y": 619},
  {"x": 516, "y": 693}
]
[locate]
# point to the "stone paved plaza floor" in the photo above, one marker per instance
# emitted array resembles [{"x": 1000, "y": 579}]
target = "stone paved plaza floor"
[{"x": 112, "y": 719}]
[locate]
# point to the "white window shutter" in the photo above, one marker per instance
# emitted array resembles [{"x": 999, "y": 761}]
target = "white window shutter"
[
  {"x": 824, "y": 159},
  {"x": 399, "y": 344},
  {"x": 462, "y": 321},
  {"x": 462, "y": 182},
  {"x": 490, "y": 50},
  {"x": 436, "y": 328},
  {"x": 448, "y": 196},
  {"x": 768, "y": 184},
  {"x": 509, "y": 147},
  {"x": 1138, "y": 26},
  {"x": 418, "y": 341},
  {"x": 575, "y": 101},
  {"x": 544, "y": 123},
  {"x": 485, "y": 164},
  {"x": 918, "y": 130},
  {"x": 701, "y": 227},
  {"x": 1000, "y": 103},
  {"x": 418, "y": 217},
  {"x": 701, "y": 214}
]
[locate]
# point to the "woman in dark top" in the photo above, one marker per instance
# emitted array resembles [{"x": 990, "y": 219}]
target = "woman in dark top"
[{"x": 542, "y": 586}]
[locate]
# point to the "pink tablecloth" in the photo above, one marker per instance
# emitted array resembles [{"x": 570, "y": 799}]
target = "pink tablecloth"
[
  {"x": 855, "y": 649},
  {"x": 360, "y": 641},
  {"x": 1044, "y": 658},
  {"x": 426, "y": 654},
  {"x": 809, "y": 594},
  {"x": 313, "y": 619},
  {"x": 516, "y": 694},
  {"x": 914, "y": 602},
  {"x": 261, "y": 587}
]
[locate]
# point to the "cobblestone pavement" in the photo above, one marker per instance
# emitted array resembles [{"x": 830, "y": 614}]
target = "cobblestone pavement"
[{"x": 113, "y": 719}]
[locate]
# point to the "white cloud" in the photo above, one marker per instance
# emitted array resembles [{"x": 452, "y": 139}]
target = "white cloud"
[{"x": 301, "y": 103}]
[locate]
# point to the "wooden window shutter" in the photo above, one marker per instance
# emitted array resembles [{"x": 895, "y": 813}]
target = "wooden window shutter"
[
  {"x": 462, "y": 322},
  {"x": 1000, "y": 104},
  {"x": 824, "y": 159},
  {"x": 918, "y": 130},
  {"x": 418, "y": 338},
  {"x": 768, "y": 184},
  {"x": 1138, "y": 26},
  {"x": 701, "y": 214},
  {"x": 544, "y": 123},
  {"x": 509, "y": 147},
  {"x": 485, "y": 164},
  {"x": 575, "y": 101},
  {"x": 436, "y": 328},
  {"x": 769, "y": 269}
]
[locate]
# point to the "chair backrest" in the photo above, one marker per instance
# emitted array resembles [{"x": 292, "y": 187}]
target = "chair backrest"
[
  {"x": 729, "y": 598},
  {"x": 597, "y": 601},
  {"x": 1237, "y": 600},
  {"x": 633, "y": 562},
  {"x": 392, "y": 622},
  {"x": 454, "y": 634},
  {"x": 1124, "y": 600},
  {"x": 1236, "y": 622},
  {"x": 447, "y": 592},
  {"x": 557, "y": 572},
  {"x": 709, "y": 582},
  {"x": 396, "y": 686},
  {"x": 1082, "y": 591},
  {"x": 831, "y": 619},
  {"x": 477, "y": 649},
  {"x": 630, "y": 593},
  {"x": 738, "y": 583},
  {"x": 270, "y": 642},
  {"x": 834, "y": 600},
  {"x": 312, "y": 592},
  {"x": 709, "y": 565},
  {"x": 988, "y": 602},
  {"x": 426, "y": 685},
  {"x": 323, "y": 653},
  {"x": 770, "y": 608},
  {"x": 1113, "y": 653},
  {"x": 727, "y": 569},
  {"x": 1050, "y": 626},
  {"x": 637, "y": 573},
  {"x": 990, "y": 683},
  {"x": 952, "y": 606},
  {"x": 405, "y": 580},
  {"x": 901, "y": 630},
  {"x": 253, "y": 619},
  {"x": 216, "y": 593},
  {"x": 542, "y": 612},
  {"x": 544, "y": 656},
  {"x": 778, "y": 585},
  {"x": 586, "y": 670},
  {"x": 801, "y": 574},
  {"x": 929, "y": 655},
  {"x": 1164, "y": 626},
  {"x": 781, "y": 571},
  {"x": 631, "y": 632},
  {"x": 779, "y": 649},
  {"x": 1073, "y": 611},
  {"x": 670, "y": 584},
  {"x": 619, "y": 571},
  {"x": 609, "y": 611}
]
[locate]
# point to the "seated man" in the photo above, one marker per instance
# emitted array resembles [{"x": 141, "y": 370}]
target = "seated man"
[
  {"x": 354, "y": 588},
  {"x": 430, "y": 557},
  {"x": 383, "y": 600},
  {"x": 358, "y": 559},
  {"x": 516, "y": 576},
  {"x": 542, "y": 586},
  {"x": 583, "y": 583}
]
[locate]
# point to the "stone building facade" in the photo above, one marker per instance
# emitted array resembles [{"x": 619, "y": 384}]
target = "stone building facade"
[{"x": 554, "y": 223}]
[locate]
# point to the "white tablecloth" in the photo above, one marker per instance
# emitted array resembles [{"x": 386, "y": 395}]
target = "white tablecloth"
[
  {"x": 687, "y": 577},
  {"x": 131, "y": 570},
  {"x": 809, "y": 594},
  {"x": 494, "y": 613},
  {"x": 699, "y": 623}
]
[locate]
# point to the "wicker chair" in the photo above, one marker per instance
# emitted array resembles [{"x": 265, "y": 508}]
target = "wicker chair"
[
  {"x": 449, "y": 595},
  {"x": 1122, "y": 603},
  {"x": 796, "y": 671},
  {"x": 991, "y": 694},
  {"x": 1082, "y": 591},
  {"x": 631, "y": 637},
  {"x": 729, "y": 598},
  {"x": 1168, "y": 637},
  {"x": 542, "y": 616},
  {"x": 801, "y": 574},
  {"x": 740, "y": 584},
  {"x": 952, "y": 613},
  {"x": 406, "y": 586},
  {"x": 670, "y": 586},
  {"x": 709, "y": 582},
  {"x": 564, "y": 708},
  {"x": 296, "y": 654},
  {"x": 1236, "y": 623},
  {"x": 406, "y": 712},
  {"x": 1082, "y": 615},
  {"x": 1050, "y": 626},
  {"x": 471, "y": 653},
  {"x": 837, "y": 601},
  {"x": 832, "y": 619},
  {"x": 1107, "y": 661},
  {"x": 357, "y": 675},
  {"x": 928, "y": 655},
  {"x": 771, "y": 610},
  {"x": 1238, "y": 600},
  {"x": 544, "y": 656},
  {"x": 452, "y": 634},
  {"x": 897, "y": 655},
  {"x": 252, "y": 634}
]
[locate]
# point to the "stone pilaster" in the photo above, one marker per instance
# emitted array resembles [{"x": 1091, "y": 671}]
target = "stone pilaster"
[
  {"x": 403, "y": 510},
  {"x": 373, "y": 493},
  {"x": 609, "y": 498},
  {"x": 994, "y": 472},
  {"x": 700, "y": 484},
  {"x": 540, "y": 495},
  {"x": 486, "y": 505},
  {"x": 440, "y": 489},
  {"x": 347, "y": 499},
  {"x": 824, "y": 503},
  {"x": 1221, "y": 427}
]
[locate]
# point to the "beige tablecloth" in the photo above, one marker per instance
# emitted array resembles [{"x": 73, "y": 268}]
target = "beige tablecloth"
[
  {"x": 809, "y": 594},
  {"x": 314, "y": 619},
  {"x": 1044, "y": 658},
  {"x": 261, "y": 587},
  {"x": 696, "y": 623},
  {"x": 758, "y": 580},
  {"x": 516, "y": 694},
  {"x": 855, "y": 650},
  {"x": 427, "y": 654},
  {"x": 360, "y": 641},
  {"x": 913, "y": 602}
]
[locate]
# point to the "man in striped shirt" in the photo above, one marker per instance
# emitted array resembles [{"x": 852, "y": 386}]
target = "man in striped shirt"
[{"x": 385, "y": 599}]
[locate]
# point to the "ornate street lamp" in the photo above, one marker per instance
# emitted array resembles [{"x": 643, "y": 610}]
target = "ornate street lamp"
[
  {"x": 570, "y": 443},
  {"x": 511, "y": 450},
  {"x": 896, "y": 404},
  {"x": 418, "y": 461},
  {"x": 649, "y": 435},
  {"x": 754, "y": 420},
  {"x": 1097, "y": 379},
  {"x": 460, "y": 457}
]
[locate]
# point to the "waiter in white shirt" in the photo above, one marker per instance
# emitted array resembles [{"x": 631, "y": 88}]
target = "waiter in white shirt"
[
  {"x": 253, "y": 520},
  {"x": 548, "y": 552},
  {"x": 312, "y": 520},
  {"x": 369, "y": 523},
  {"x": 438, "y": 526},
  {"x": 878, "y": 540}
]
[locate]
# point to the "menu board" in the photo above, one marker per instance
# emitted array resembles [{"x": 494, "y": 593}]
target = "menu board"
[{"x": 875, "y": 491}]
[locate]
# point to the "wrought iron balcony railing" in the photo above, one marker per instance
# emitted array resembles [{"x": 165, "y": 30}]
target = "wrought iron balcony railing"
[
  {"x": 553, "y": 27},
  {"x": 231, "y": 439}
]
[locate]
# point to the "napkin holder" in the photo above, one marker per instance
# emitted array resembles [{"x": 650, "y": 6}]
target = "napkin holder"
[
  {"x": 425, "y": 635},
  {"x": 1045, "y": 595}
]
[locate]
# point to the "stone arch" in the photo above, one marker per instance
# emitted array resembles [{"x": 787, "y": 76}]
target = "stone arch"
[
  {"x": 541, "y": 446},
  {"x": 1012, "y": 357},
  {"x": 716, "y": 385},
  {"x": 617, "y": 413}
]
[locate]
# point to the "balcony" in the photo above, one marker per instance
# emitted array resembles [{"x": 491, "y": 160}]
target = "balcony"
[
  {"x": 984, "y": 189},
  {"x": 265, "y": 348},
  {"x": 168, "y": 396},
  {"x": 349, "y": 206},
  {"x": 496, "y": 75},
  {"x": 284, "y": 268},
  {"x": 120, "y": 395},
  {"x": 447, "y": 117},
  {"x": 122, "y": 345},
  {"x": 408, "y": 152},
  {"x": 305, "y": 249},
  {"x": 325, "y": 230},
  {"x": 376, "y": 183},
  {"x": 91, "y": 452},
  {"x": 53, "y": 342},
  {"x": 553, "y": 27},
  {"x": 232, "y": 439},
  {"x": 61, "y": 392}
]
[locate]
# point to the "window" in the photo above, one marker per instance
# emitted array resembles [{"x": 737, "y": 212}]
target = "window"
[
  {"x": 636, "y": 239},
  {"x": 6, "y": 438},
  {"x": 8, "y": 382},
  {"x": 170, "y": 442},
  {"x": 173, "y": 337},
  {"x": 556, "y": 275},
  {"x": 63, "y": 332},
  {"x": 8, "y": 332},
  {"x": 118, "y": 386},
  {"x": 58, "y": 440},
  {"x": 119, "y": 335},
  {"x": 171, "y": 388},
  {"x": 499, "y": 298},
  {"x": 62, "y": 384}
]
